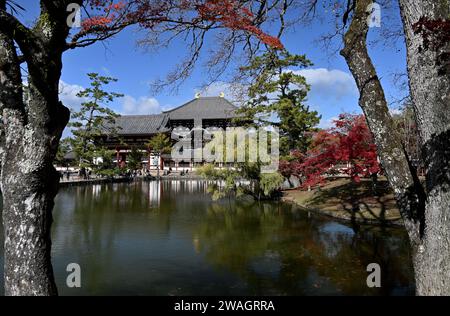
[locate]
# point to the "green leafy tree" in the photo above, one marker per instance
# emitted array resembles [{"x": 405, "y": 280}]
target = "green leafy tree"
[
  {"x": 65, "y": 147},
  {"x": 159, "y": 145},
  {"x": 246, "y": 178},
  {"x": 93, "y": 119},
  {"x": 277, "y": 97},
  {"x": 104, "y": 165},
  {"x": 135, "y": 159}
]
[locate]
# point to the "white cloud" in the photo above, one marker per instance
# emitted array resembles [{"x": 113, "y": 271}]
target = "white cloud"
[
  {"x": 68, "y": 95},
  {"x": 140, "y": 106},
  {"x": 215, "y": 89},
  {"x": 327, "y": 123},
  {"x": 127, "y": 105},
  {"x": 233, "y": 91},
  {"x": 326, "y": 83}
]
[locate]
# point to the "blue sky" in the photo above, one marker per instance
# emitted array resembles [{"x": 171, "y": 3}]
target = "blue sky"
[{"x": 333, "y": 88}]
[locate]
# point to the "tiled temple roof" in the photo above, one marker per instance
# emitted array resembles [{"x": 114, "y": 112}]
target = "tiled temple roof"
[
  {"x": 204, "y": 108},
  {"x": 197, "y": 110},
  {"x": 141, "y": 124}
]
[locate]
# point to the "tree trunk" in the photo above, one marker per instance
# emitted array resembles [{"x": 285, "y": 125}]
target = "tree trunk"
[
  {"x": 408, "y": 191},
  {"x": 29, "y": 185},
  {"x": 427, "y": 29},
  {"x": 30, "y": 130},
  {"x": 426, "y": 217}
]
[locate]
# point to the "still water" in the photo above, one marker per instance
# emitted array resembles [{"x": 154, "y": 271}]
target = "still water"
[{"x": 170, "y": 238}]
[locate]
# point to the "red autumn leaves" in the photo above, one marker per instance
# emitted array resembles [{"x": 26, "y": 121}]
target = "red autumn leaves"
[
  {"x": 346, "y": 148},
  {"x": 235, "y": 17},
  {"x": 110, "y": 12},
  {"x": 230, "y": 14}
]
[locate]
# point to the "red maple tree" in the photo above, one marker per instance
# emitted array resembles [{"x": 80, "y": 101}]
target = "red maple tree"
[
  {"x": 346, "y": 148},
  {"x": 292, "y": 165},
  {"x": 109, "y": 16}
]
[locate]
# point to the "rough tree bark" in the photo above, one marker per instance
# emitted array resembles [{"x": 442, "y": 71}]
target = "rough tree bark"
[
  {"x": 29, "y": 136},
  {"x": 425, "y": 211},
  {"x": 429, "y": 74}
]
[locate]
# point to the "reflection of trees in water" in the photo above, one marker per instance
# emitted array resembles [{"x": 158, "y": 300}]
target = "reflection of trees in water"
[
  {"x": 233, "y": 236},
  {"x": 91, "y": 222},
  {"x": 103, "y": 216},
  {"x": 345, "y": 266},
  {"x": 271, "y": 246},
  {"x": 100, "y": 211},
  {"x": 95, "y": 216}
]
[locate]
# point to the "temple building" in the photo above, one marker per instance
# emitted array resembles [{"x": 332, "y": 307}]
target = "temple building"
[{"x": 135, "y": 131}]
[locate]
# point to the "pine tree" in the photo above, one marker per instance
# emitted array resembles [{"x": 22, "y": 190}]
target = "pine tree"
[
  {"x": 277, "y": 97},
  {"x": 93, "y": 119}
]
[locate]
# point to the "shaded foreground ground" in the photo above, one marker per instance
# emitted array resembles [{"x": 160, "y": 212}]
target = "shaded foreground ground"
[{"x": 342, "y": 199}]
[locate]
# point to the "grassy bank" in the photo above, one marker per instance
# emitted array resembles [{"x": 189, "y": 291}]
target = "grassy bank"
[{"x": 342, "y": 199}]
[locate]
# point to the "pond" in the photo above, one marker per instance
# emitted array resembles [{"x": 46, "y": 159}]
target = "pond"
[{"x": 170, "y": 238}]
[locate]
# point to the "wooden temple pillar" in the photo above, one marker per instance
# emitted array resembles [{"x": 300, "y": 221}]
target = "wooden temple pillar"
[
  {"x": 162, "y": 163},
  {"x": 149, "y": 165}
]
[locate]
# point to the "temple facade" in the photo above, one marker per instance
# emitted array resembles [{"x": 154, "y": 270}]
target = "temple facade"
[{"x": 135, "y": 131}]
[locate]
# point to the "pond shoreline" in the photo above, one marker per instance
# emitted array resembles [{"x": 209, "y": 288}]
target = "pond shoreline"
[
  {"x": 71, "y": 183},
  {"x": 288, "y": 196}
]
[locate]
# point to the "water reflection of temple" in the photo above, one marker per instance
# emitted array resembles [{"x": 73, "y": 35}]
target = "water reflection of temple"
[
  {"x": 190, "y": 245},
  {"x": 154, "y": 193},
  {"x": 155, "y": 190}
]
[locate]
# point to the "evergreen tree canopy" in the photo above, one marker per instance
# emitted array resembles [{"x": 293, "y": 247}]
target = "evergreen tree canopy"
[
  {"x": 94, "y": 118},
  {"x": 277, "y": 97}
]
